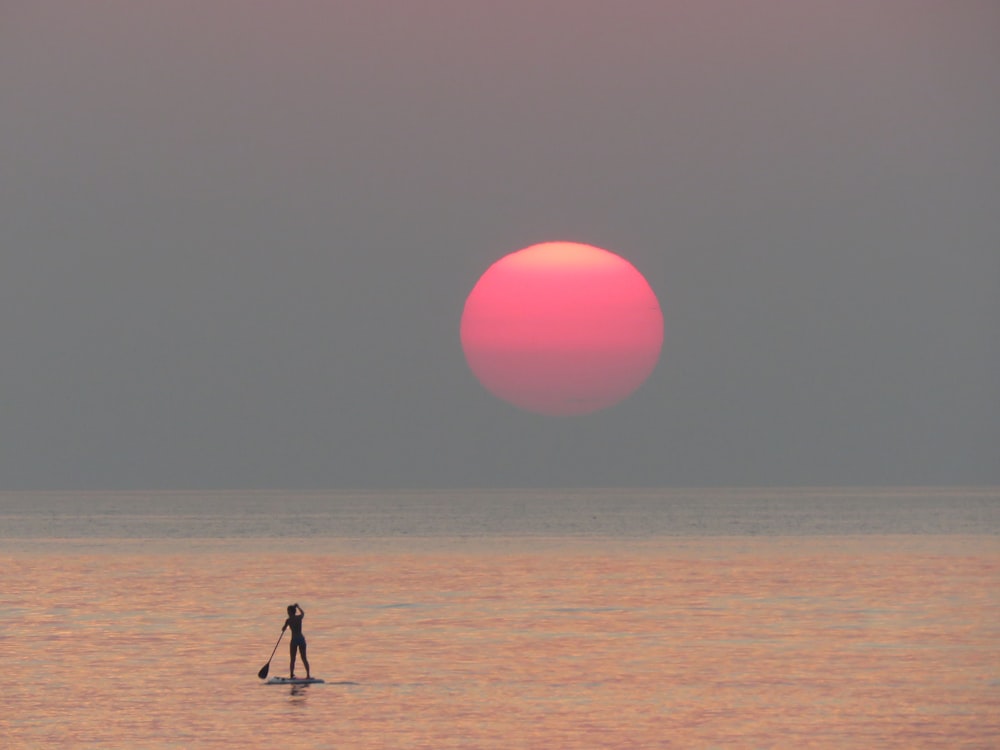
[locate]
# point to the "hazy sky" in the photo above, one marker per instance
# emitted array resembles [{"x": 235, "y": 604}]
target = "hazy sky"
[{"x": 236, "y": 238}]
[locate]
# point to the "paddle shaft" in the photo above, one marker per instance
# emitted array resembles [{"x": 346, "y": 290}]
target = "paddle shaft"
[{"x": 263, "y": 670}]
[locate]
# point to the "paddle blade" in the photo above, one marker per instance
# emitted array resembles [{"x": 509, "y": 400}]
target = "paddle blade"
[{"x": 263, "y": 671}]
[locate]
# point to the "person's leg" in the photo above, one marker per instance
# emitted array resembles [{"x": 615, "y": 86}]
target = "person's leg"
[
  {"x": 291, "y": 666},
  {"x": 305, "y": 661}
]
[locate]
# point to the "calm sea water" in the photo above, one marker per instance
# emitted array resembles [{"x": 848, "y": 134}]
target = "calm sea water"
[{"x": 480, "y": 619}]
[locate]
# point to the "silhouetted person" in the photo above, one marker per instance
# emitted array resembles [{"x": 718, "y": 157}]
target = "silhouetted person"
[{"x": 294, "y": 622}]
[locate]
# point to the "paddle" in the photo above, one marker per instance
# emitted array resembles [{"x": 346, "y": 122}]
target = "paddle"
[{"x": 263, "y": 670}]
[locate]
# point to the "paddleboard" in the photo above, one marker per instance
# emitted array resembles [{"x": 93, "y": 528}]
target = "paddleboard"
[{"x": 294, "y": 681}]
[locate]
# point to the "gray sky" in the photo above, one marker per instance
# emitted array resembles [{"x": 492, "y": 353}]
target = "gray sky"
[{"x": 236, "y": 238}]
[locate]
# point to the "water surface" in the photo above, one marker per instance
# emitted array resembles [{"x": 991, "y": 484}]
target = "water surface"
[{"x": 489, "y": 620}]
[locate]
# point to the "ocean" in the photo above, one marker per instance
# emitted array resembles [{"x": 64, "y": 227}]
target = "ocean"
[{"x": 624, "y": 618}]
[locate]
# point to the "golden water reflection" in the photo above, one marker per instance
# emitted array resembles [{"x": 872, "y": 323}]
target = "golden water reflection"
[{"x": 795, "y": 642}]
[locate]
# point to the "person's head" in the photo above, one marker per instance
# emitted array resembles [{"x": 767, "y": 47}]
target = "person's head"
[{"x": 291, "y": 609}]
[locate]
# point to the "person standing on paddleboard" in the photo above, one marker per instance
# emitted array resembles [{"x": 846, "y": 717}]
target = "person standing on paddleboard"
[{"x": 294, "y": 622}]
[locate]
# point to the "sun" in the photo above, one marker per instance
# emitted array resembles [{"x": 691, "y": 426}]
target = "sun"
[{"x": 562, "y": 328}]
